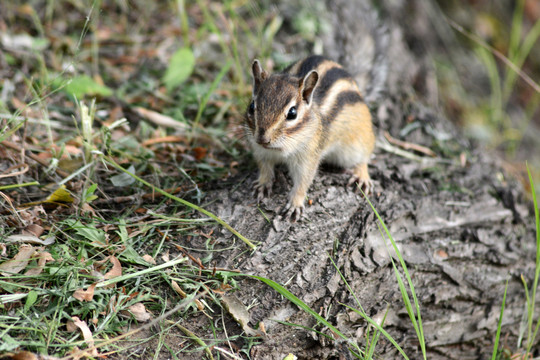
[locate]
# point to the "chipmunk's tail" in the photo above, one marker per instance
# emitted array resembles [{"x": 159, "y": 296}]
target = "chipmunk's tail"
[{"x": 359, "y": 41}]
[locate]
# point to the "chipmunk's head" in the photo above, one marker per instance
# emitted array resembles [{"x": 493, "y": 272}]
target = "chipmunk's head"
[{"x": 280, "y": 107}]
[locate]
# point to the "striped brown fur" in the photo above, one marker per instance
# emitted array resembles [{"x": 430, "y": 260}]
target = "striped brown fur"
[{"x": 310, "y": 112}]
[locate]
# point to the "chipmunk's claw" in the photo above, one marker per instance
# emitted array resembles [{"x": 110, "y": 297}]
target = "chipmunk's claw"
[
  {"x": 357, "y": 183},
  {"x": 261, "y": 190},
  {"x": 292, "y": 213}
]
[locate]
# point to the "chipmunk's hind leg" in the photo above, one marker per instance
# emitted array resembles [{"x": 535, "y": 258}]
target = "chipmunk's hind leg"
[{"x": 360, "y": 179}]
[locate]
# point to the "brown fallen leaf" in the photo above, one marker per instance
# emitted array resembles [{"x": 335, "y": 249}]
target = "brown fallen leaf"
[
  {"x": 19, "y": 261},
  {"x": 43, "y": 258},
  {"x": 183, "y": 294},
  {"x": 87, "y": 334},
  {"x": 33, "y": 229},
  {"x": 71, "y": 327},
  {"x": 199, "y": 152},
  {"x": 30, "y": 239},
  {"x": 239, "y": 312},
  {"x": 116, "y": 269},
  {"x": 139, "y": 312},
  {"x": 178, "y": 289},
  {"x": 85, "y": 295},
  {"x": 149, "y": 259},
  {"x": 24, "y": 355}
]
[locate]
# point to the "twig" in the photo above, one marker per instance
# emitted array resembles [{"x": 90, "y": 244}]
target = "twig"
[
  {"x": 40, "y": 161},
  {"x": 409, "y": 146},
  {"x": 16, "y": 173}
]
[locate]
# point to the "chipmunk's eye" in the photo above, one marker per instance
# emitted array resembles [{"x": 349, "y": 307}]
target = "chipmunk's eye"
[
  {"x": 252, "y": 107},
  {"x": 291, "y": 115}
]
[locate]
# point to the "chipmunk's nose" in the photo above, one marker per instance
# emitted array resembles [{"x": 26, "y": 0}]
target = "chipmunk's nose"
[{"x": 263, "y": 138}]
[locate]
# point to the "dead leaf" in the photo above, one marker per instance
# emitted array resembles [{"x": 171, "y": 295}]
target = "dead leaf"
[
  {"x": 43, "y": 258},
  {"x": 3, "y": 250},
  {"x": 59, "y": 196},
  {"x": 24, "y": 355},
  {"x": 165, "y": 257},
  {"x": 19, "y": 261},
  {"x": 149, "y": 259},
  {"x": 70, "y": 326},
  {"x": 139, "y": 312},
  {"x": 85, "y": 295},
  {"x": 30, "y": 239},
  {"x": 239, "y": 312},
  {"x": 33, "y": 229},
  {"x": 87, "y": 334},
  {"x": 199, "y": 152},
  {"x": 178, "y": 289},
  {"x": 116, "y": 269},
  {"x": 183, "y": 294}
]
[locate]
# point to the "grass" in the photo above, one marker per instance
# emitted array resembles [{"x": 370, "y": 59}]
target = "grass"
[
  {"x": 119, "y": 264},
  {"x": 503, "y": 119},
  {"x": 92, "y": 147}
]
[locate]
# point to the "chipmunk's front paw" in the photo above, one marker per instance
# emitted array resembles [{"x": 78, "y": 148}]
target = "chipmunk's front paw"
[
  {"x": 364, "y": 184},
  {"x": 292, "y": 213},
  {"x": 360, "y": 179},
  {"x": 262, "y": 190}
]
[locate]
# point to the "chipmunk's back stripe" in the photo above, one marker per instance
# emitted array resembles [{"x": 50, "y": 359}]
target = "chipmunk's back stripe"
[
  {"x": 310, "y": 63},
  {"x": 328, "y": 80},
  {"x": 290, "y": 67},
  {"x": 344, "y": 99}
]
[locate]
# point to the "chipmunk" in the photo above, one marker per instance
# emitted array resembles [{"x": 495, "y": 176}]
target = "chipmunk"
[{"x": 310, "y": 112}]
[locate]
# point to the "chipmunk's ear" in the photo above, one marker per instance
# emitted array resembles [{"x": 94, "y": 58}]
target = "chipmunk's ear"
[
  {"x": 259, "y": 75},
  {"x": 307, "y": 85}
]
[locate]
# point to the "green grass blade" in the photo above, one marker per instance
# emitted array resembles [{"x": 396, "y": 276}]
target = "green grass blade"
[
  {"x": 210, "y": 91},
  {"x": 495, "y": 85},
  {"x": 346, "y": 283},
  {"x": 524, "y": 322},
  {"x": 499, "y": 325},
  {"x": 304, "y": 327},
  {"x": 519, "y": 58},
  {"x": 364, "y": 315},
  {"x": 418, "y": 320},
  {"x": 530, "y": 339},
  {"x": 374, "y": 339},
  {"x": 380, "y": 329},
  {"x": 292, "y": 298},
  {"x": 110, "y": 161},
  {"x": 516, "y": 29}
]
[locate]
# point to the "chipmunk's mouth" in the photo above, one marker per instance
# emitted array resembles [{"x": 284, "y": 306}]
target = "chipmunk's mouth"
[{"x": 270, "y": 147}]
